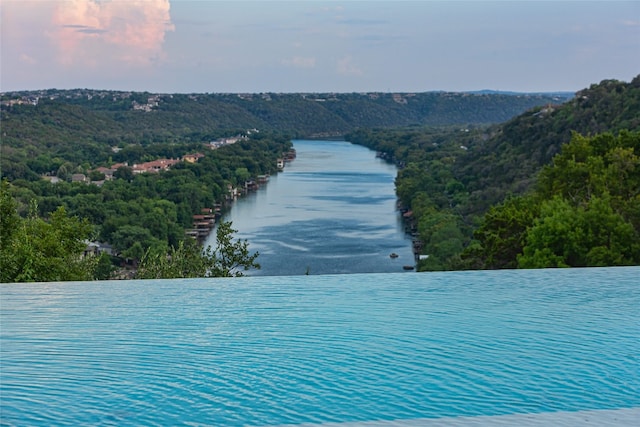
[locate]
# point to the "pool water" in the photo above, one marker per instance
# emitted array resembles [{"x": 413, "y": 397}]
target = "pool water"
[{"x": 518, "y": 347}]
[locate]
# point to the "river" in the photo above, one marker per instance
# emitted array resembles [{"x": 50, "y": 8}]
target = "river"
[{"x": 331, "y": 211}]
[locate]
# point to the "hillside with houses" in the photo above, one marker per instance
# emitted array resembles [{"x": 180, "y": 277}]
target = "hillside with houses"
[
  {"x": 147, "y": 171},
  {"x": 42, "y": 130},
  {"x": 150, "y": 200}
]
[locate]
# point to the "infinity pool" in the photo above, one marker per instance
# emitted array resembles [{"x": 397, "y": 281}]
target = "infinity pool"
[{"x": 528, "y": 347}]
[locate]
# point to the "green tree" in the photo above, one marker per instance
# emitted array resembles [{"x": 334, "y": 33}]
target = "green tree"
[
  {"x": 242, "y": 175},
  {"x": 582, "y": 236},
  {"x": 35, "y": 250},
  {"x": 584, "y": 212},
  {"x": 124, "y": 172},
  {"x": 63, "y": 173},
  {"x": 96, "y": 176},
  {"x": 232, "y": 257},
  {"x": 185, "y": 260},
  {"x": 229, "y": 258},
  {"x": 126, "y": 237},
  {"x": 104, "y": 267},
  {"x": 502, "y": 233},
  {"x": 9, "y": 218},
  {"x": 443, "y": 241}
]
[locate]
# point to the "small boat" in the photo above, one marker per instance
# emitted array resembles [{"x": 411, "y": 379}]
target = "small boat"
[
  {"x": 408, "y": 267},
  {"x": 393, "y": 255}
]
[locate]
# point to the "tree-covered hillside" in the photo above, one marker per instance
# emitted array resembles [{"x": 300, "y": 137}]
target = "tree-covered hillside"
[
  {"x": 131, "y": 213},
  {"x": 85, "y": 125},
  {"x": 585, "y": 211},
  {"x": 452, "y": 176},
  {"x": 470, "y": 186},
  {"x": 517, "y": 149}
]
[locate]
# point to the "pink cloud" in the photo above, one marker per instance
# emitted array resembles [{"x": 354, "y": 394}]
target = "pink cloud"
[
  {"x": 90, "y": 32},
  {"x": 27, "y": 59}
]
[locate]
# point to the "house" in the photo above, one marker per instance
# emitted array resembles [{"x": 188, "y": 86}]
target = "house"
[
  {"x": 107, "y": 172},
  {"x": 79, "y": 177},
  {"x": 96, "y": 248},
  {"x": 192, "y": 158},
  {"x": 154, "y": 166},
  {"x": 226, "y": 141},
  {"x": 52, "y": 179}
]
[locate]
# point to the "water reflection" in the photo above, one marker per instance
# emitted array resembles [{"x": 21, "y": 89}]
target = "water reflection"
[{"x": 331, "y": 211}]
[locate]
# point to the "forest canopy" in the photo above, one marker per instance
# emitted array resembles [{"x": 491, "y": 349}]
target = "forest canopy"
[
  {"x": 484, "y": 181},
  {"x": 473, "y": 191}
]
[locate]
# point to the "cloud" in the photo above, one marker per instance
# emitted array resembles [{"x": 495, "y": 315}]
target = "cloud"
[
  {"x": 300, "y": 62},
  {"x": 90, "y": 31},
  {"x": 27, "y": 59},
  {"x": 363, "y": 22},
  {"x": 84, "y": 29},
  {"x": 346, "y": 67},
  {"x": 332, "y": 8},
  {"x": 631, "y": 23}
]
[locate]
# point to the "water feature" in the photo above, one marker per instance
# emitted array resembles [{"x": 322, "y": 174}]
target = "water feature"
[
  {"x": 515, "y": 347},
  {"x": 332, "y": 210}
]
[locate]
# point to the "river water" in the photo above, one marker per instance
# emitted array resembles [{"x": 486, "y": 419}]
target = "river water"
[{"x": 331, "y": 211}]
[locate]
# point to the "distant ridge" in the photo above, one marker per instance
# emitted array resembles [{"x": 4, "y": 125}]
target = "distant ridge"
[
  {"x": 303, "y": 114},
  {"x": 562, "y": 94}
]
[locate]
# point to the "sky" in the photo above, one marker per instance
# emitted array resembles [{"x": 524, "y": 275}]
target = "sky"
[{"x": 209, "y": 46}]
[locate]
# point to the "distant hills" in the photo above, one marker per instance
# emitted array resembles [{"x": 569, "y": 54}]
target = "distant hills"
[
  {"x": 469, "y": 163},
  {"x": 305, "y": 114},
  {"x": 85, "y": 125},
  {"x": 561, "y": 94}
]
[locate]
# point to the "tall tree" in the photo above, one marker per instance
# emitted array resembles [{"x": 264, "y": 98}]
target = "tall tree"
[
  {"x": 229, "y": 258},
  {"x": 579, "y": 236},
  {"x": 35, "y": 250},
  {"x": 501, "y": 235},
  {"x": 584, "y": 212}
]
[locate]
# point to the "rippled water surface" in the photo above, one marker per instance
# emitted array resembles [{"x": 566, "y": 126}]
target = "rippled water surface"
[
  {"x": 532, "y": 348},
  {"x": 332, "y": 211}
]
